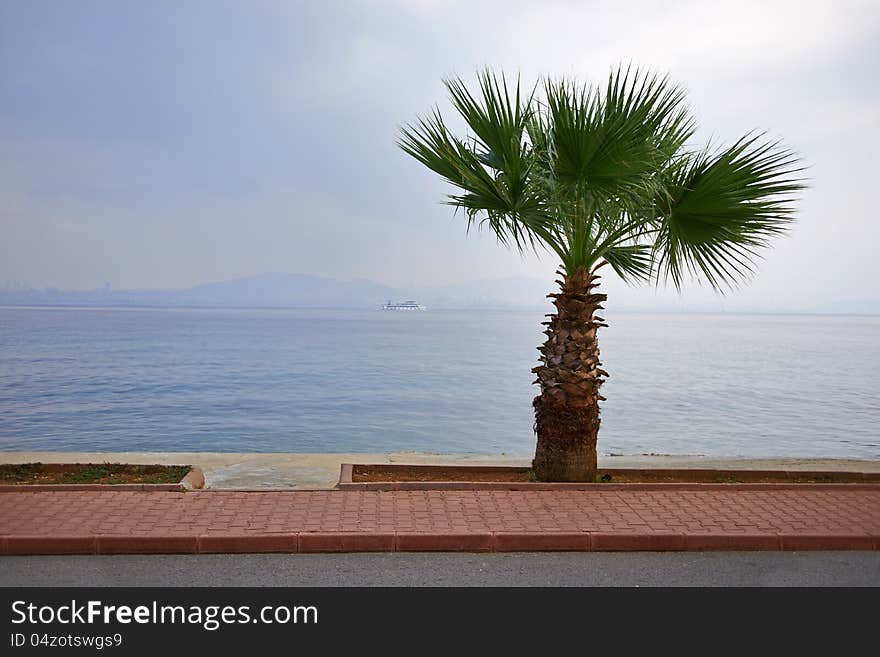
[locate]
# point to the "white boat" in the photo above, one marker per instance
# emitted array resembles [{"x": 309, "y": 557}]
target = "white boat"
[{"x": 405, "y": 305}]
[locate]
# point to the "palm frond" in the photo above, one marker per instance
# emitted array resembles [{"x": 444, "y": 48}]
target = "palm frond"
[
  {"x": 492, "y": 169},
  {"x": 429, "y": 142},
  {"x": 632, "y": 262},
  {"x": 610, "y": 144},
  {"x": 593, "y": 172},
  {"x": 718, "y": 211}
]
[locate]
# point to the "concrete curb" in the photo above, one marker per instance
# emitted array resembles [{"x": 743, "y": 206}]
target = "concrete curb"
[
  {"x": 324, "y": 542},
  {"x": 490, "y": 485},
  {"x": 194, "y": 479}
]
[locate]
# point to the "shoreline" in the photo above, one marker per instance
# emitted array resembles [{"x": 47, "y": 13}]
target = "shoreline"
[{"x": 321, "y": 470}]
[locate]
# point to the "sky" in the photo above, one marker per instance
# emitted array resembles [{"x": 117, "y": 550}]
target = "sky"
[{"x": 168, "y": 144}]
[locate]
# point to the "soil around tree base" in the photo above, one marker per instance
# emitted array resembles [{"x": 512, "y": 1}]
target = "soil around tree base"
[
  {"x": 389, "y": 473},
  {"x": 38, "y": 474}
]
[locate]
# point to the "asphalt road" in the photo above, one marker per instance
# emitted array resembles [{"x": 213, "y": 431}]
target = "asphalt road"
[{"x": 450, "y": 569}]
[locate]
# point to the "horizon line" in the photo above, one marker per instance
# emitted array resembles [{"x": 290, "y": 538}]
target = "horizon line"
[{"x": 625, "y": 311}]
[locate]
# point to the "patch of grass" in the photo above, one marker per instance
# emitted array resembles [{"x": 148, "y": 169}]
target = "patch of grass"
[
  {"x": 826, "y": 479},
  {"x": 90, "y": 473}
]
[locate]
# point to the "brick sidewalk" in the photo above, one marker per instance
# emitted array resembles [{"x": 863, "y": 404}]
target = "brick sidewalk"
[{"x": 478, "y": 520}]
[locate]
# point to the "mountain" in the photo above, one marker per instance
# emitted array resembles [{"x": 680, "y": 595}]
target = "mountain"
[
  {"x": 288, "y": 291},
  {"x": 278, "y": 290}
]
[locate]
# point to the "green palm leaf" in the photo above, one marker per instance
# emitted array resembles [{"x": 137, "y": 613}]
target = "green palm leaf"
[
  {"x": 718, "y": 210},
  {"x": 614, "y": 142},
  {"x": 606, "y": 173}
]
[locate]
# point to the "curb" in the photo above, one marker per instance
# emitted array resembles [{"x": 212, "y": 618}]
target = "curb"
[
  {"x": 327, "y": 542},
  {"x": 194, "y": 479},
  {"x": 498, "y": 485}
]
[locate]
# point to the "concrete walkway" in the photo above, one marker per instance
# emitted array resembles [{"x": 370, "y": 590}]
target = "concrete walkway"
[{"x": 829, "y": 517}]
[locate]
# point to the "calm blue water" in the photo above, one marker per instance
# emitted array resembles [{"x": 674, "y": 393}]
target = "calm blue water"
[{"x": 438, "y": 381}]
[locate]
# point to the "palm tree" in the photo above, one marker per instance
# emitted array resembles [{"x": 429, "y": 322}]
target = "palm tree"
[{"x": 602, "y": 175}]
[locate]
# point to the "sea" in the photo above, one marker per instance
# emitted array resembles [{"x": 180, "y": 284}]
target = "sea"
[{"x": 441, "y": 381}]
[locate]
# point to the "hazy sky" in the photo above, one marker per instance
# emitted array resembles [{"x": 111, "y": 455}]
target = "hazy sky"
[{"x": 164, "y": 144}]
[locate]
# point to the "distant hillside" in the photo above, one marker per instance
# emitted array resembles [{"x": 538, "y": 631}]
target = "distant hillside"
[
  {"x": 288, "y": 291},
  {"x": 277, "y": 290}
]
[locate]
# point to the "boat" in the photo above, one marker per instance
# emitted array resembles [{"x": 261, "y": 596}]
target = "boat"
[{"x": 405, "y": 305}]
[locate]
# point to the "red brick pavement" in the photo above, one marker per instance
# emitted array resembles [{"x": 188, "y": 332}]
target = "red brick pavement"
[{"x": 474, "y": 520}]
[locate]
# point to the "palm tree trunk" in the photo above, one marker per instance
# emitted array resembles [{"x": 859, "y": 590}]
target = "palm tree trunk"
[{"x": 567, "y": 410}]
